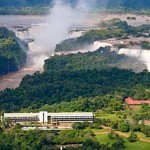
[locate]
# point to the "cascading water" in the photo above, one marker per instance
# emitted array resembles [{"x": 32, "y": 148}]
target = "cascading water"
[
  {"x": 42, "y": 38},
  {"x": 97, "y": 44},
  {"x": 35, "y": 54},
  {"x": 143, "y": 55}
]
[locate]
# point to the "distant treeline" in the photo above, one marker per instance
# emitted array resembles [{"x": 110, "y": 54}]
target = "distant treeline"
[
  {"x": 23, "y": 3},
  {"x": 12, "y": 57},
  {"x": 136, "y": 4},
  {"x": 24, "y": 11},
  {"x": 41, "y": 7}
]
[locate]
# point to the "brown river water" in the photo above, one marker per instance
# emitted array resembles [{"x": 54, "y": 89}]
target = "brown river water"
[{"x": 12, "y": 80}]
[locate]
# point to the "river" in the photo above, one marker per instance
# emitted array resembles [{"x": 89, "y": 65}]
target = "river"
[{"x": 12, "y": 80}]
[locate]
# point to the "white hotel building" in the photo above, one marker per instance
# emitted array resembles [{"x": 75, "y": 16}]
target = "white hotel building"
[{"x": 45, "y": 117}]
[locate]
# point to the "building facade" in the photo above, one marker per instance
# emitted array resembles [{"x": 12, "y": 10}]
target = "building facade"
[{"x": 45, "y": 117}]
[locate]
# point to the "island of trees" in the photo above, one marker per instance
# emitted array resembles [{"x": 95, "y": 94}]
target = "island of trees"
[{"x": 12, "y": 57}]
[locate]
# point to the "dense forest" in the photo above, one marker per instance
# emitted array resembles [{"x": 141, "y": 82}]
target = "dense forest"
[
  {"x": 24, "y": 3},
  {"x": 102, "y": 58},
  {"x": 140, "y": 4},
  {"x": 114, "y": 28},
  {"x": 24, "y": 7},
  {"x": 86, "y": 75},
  {"x": 55, "y": 86},
  {"x": 12, "y": 57},
  {"x": 91, "y": 104},
  {"x": 102, "y": 3}
]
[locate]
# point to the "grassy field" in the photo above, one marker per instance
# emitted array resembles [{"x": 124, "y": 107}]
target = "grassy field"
[
  {"x": 100, "y": 130},
  {"x": 103, "y": 138},
  {"x": 141, "y": 135},
  {"x": 112, "y": 117}
]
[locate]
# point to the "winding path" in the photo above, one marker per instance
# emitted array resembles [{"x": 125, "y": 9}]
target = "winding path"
[{"x": 126, "y": 135}]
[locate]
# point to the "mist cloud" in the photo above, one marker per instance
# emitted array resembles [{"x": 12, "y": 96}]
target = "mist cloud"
[{"x": 62, "y": 16}]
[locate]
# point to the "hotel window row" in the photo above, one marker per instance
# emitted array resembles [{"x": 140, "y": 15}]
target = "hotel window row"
[{"x": 44, "y": 117}]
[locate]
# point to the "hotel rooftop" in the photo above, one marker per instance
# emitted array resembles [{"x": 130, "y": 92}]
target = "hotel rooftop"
[{"x": 130, "y": 101}]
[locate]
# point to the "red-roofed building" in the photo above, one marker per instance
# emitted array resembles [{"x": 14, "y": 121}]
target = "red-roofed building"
[{"x": 130, "y": 101}]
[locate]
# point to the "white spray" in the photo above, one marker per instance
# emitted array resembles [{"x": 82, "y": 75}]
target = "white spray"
[
  {"x": 62, "y": 17},
  {"x": 143, "y": 55}
]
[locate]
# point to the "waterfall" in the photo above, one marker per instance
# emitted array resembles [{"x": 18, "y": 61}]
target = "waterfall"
[
  {"x": 36, "y": 54},
  {"x": 75, "y": 34},
  {"x": 97, "y": 44},
  {"x": 143, "y": 55}
]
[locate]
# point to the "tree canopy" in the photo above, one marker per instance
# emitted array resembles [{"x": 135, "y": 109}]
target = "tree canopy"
[
  {"x": 12, "y": 57},
  {"x": 102, "y": 3}
]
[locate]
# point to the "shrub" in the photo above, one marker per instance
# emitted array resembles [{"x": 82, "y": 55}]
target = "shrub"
[
  {"x": 132, "y": 137},
  {"x": 124, "y": 127},
  {"x": 146, "y": 130},
  {"x": 111, "y": 135}
]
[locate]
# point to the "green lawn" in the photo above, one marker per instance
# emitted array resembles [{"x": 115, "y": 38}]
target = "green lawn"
[
  {"x": 137, "y": 145},
  {"x": 100, "y": 130},
  {"x": 103, "y": 138},
  {"x": 112, "y": 117},
  {"x": 141, "y": 135}
]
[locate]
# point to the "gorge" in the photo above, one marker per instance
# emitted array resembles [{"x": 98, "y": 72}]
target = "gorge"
[{"x": 38, "y": 33}]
